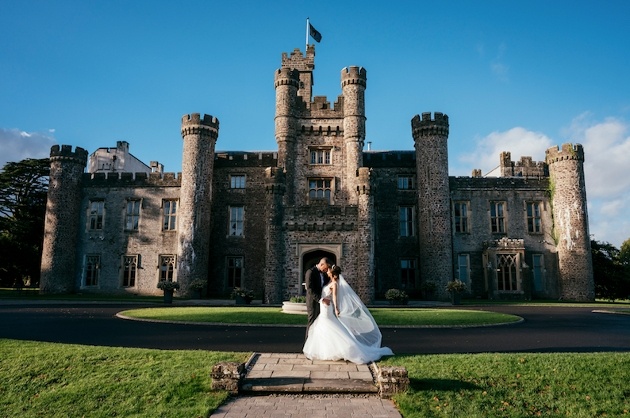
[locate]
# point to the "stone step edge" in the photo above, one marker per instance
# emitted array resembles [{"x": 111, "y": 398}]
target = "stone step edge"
[{"x": 306, "y": 385}]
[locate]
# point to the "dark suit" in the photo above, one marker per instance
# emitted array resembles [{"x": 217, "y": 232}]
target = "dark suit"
[{"x": 314, "y": 287}]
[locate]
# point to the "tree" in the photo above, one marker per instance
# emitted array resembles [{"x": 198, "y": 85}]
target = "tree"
[
  {"x": 23, "y": 192},
  {"x": 610, "y": 275},
  {"x": 624, "y": 253}
]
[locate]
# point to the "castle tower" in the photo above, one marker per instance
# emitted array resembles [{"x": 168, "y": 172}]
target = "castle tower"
[
  {"x": 63, "y": 211},
  {"x": 364, "y": 268},
  {"x": 287, "y": 82},
  {"x": 195, "y": 201},
  {"x": 274, "y": 266},
  {"x": 353, "y": 84},
  {"x": 304, "y": 64},
  {"x": 434, "y": 218},
  {"x": 570, "y": 217}
]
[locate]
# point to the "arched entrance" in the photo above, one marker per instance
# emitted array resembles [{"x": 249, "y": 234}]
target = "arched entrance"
[{"x": 309, "y": 259}]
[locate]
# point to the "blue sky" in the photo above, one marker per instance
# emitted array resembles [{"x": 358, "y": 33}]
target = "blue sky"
[{"x": 512, "y": 76}]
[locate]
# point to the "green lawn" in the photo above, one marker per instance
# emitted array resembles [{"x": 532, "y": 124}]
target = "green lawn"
[
  {"x": 266, "y": 315},
  {"x": 64, "y": 380}
]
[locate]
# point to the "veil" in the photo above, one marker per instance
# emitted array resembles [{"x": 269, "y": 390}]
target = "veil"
[{"x": 354, "y": 315}]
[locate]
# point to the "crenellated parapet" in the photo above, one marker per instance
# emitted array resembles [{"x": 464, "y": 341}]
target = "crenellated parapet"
[
  {"x": 526, "y": 167},
  {"x": 287, "y": 77},
  {"x": 127, "y": 179},
  {"x": 299, "y": 61},
  {"x": 65, "y": 153},
  {"x": 427, "y": 126},
  {"x": 353, "y": 75},
  {"x": 194, "y": 124},
  {"x": 567, "y": 151},
  {"x": 275, "y": 181}
]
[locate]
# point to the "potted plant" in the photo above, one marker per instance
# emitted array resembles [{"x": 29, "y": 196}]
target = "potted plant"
[
  {"x": 396, "y": 297},
  {"x": 197, "y": 286},
  {"x": 295, "y": 305},
  {"x": 242, "y": 296},
  {"x": 456, "y": 287},
  {"x": 168, "y": 287}
]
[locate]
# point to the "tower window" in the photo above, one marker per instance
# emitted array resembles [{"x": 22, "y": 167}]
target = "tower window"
[
  {"x": 320, "y": 156},
  {"x": 96, "y": 214},
  {"x": 406, "y": 221},
  {"x": 237, "y": 182},
  {"x": 460, "y": 217},
  {"x": 169, "y": 220},
  {"x": 320, "y": 189},
  {"x": 132, "y": 215},
  {"x": 405, "y": 183},
  {"x": 236, "y": 221}
]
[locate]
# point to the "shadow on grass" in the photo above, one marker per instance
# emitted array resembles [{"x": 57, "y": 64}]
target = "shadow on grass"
[{"x": 446, "y": 385}]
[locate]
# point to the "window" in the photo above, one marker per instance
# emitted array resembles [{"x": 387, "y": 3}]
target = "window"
[
  {"x": 497, "y": 217},
  {"x": 167, "y": 267},
  {"x": 95, "y": 216},
  {"x": 170, "y": 215},
  {"x": 534, "y": 222},
  {"x": 234, "y": 271},
  {"x": 130, "y": 269},
  {"x": 320, "y": 156},
  {"x": 132, "y": 215},
  {"x": 506, "y": 272},
  {"x": 319, "y": 189},
  {"x": 408, "y": 273},
  {"x": 460, "y": 214},
  {"x": 463, "y": 269},
  {"x": 92, "y": 269},
  {"x": 405, "y": 183},
  {"x": 236, "y": 221},
  {"x": 237, "y": 182},
  {"x": 406, "y": 221}
]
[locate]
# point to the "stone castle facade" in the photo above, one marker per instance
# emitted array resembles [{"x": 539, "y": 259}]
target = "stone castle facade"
[{"x": 258, "y": 220}]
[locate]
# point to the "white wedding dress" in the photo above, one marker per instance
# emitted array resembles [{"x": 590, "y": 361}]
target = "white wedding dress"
[{"x": 353, "y": 336}]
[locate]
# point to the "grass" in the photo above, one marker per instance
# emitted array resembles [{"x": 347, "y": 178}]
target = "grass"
[
  {"x": 63, "y": 380},
  {"x": 266, "y": 315},
  {"x": 515, "y": 385}
]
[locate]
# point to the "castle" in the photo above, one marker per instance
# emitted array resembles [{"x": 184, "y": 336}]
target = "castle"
[{"x": 258, "y": 220}]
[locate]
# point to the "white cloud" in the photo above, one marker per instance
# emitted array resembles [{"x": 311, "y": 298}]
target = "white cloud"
[
  {"x": 518, "y": 141},
  {"x": 16, "y": 145}
]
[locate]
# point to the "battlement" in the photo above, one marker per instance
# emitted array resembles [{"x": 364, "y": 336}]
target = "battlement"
[
  {"x": 353, "y": 75},
  {"x": 389, "y": 159},
  {"x": 526, "y": 167},
  {"x": 196, "y": 119},
  {"x": 298, "y": 61},
  {"x": 79, "y": 156},
  {"x": 127, "y": 179},
  {"x": 427, "y": 125},
  {"x": 227, "y": 159},
  {"x": 567, "y": 151},
  {"x": 287, "y": 77}
]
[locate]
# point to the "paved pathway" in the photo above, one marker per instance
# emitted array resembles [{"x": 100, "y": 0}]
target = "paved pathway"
[{"x": 294, "y": 386}]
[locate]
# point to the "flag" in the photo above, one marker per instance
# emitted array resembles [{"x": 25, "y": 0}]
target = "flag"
[{"x": 314, "y": 33}]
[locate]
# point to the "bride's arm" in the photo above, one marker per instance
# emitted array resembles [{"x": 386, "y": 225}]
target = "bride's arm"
[{"x": 334, "y": 295}]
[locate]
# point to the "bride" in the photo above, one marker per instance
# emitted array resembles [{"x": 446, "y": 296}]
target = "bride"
[{"x": 345, "y": 329}]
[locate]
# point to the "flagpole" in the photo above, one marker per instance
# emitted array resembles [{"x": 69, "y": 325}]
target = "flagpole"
[{"x": 307, "y": 33}]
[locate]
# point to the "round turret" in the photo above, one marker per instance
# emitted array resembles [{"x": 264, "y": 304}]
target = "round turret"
[
  {"x": 195, "y": 201},
  {"x": 434, "y": 225},
  {"x": 287, "y": 82},
  {"x": 353, "y": 85},
  {"x": 570, "y": 222},
  {"x": 63, "y": 209}
]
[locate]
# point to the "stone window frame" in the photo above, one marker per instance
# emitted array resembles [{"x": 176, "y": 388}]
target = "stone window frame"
[
  {"x": 132, "y": 217},
  {"x": 96, "y": 215},
  {"x": 508, "y": 264},
  {"x": 320, "y": 155},
  {"x": 498, "y": 217},
  {"x": 406, "y": 226},
  {"x": 238, "y": 181},
  {"x": 169, "y": 214},
  {"x": 409, "y": 273},
  {"x": 533, "y": 220},
  {"x": 231, "y": 270},
  {"x": 410, "y": 184},
  {"x": 236, "y": 221},
  {"x": 327, "y": 189},
  {"x": 461, "y": 222},
  {"x": 92, "y": 270},
  {"x": 164, "y": 272},
  {"x": 129, "y": 270}
]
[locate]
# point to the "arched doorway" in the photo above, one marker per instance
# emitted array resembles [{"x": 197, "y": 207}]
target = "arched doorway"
[{"x": 309, "y": 259}]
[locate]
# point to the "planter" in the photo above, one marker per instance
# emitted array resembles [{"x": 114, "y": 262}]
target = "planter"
[
  {"x": 294, "y": 308},
  {"x": 456, "y": 298},
  {"x": 241, "y": 300},
  {"x": 168, "y": 296}
]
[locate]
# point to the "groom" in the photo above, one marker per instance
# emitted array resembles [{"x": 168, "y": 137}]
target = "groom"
[{"x": 315, "y": 278}]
